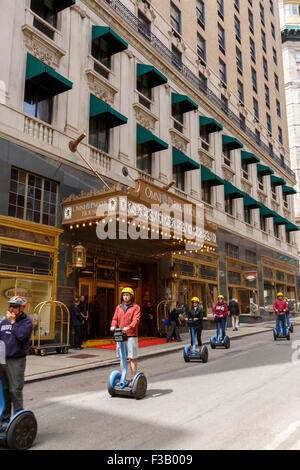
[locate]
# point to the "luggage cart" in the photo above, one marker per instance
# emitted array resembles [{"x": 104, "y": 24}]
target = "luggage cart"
[{"x": 41, "y": 348}]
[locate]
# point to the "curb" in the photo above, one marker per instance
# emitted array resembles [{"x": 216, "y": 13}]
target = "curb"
[{"x": 107, "y": 363}]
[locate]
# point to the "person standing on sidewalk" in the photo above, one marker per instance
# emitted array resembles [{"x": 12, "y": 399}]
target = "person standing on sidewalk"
[
  {"x": 174, "y": 319},
  {"x": 127, "y": 317},
  {"x": 234, "y": 313},
  {"x": 15, "y": 332},
  {"x": 77, "y": 322}
]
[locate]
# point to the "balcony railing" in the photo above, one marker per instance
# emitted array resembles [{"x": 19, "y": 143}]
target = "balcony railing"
[{"x": 136, "y": 24}]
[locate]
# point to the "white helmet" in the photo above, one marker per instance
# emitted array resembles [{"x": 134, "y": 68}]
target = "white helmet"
[{"x": 18, "y": 300}]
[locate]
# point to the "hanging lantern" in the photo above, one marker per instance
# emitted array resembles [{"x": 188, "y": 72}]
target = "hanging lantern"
[{"x": 79, "y": 256}]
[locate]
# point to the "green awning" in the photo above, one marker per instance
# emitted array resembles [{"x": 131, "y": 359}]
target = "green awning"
[
  {"x": 149, "y": 141},
  {"x": 232, "y": 192},
  {"x": 154, "y": 76},
  {"x": 249, "y": 157},
  {"x": 114, "y": 42},
  {"x": 210, "y": 178},
  {"x": 251, "y": 203},
  {"x": 278, "y": 220},
  {"x": 288, "y": 190},
  {"x": 210, "y": 124},
  {"x": 264, "y": 170},
  {"x": 290, "y": 227},
  {"x": 187, "y": 164},
  {"x": 266, "y": 212},
  {"x": 231, "y": 143},
  {"x": 276, "y": 181},
  {"x": 42, "y": 77},
  {"x": 111, "y": 117},
  {"x": 59, "y": 5},
  {"x": 184, "y": 103}
]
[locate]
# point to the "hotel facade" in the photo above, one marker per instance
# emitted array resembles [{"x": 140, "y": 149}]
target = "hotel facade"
[{"x": 180, "y": 101}]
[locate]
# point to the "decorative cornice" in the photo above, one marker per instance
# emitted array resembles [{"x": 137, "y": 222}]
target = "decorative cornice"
[
  {"x": 228, "y": 173},
  {"x": 205, "y": 159},
  {"x": 43, "y": 49},
  {"x": 144, "y": 117},
  {"x": 178, "y": 140},
  {"x": 101, "y": 87}
]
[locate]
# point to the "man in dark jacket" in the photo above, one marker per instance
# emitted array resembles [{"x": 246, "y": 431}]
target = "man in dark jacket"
[
  {"x": 234, "y": 313},
  {"x": 77, "y": 322},
  {"x": 195, "y": 319},
  {"x": 174, "y": 320},
  {"x": 15, "y": 332}
]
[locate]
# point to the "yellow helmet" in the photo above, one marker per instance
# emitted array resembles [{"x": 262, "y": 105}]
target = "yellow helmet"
[
  {"x": 127, "y": 290},
  {"x": 220, "y": 296},
  {"x": 195, "y": 299},
  {"x": 280, "y": 294}
]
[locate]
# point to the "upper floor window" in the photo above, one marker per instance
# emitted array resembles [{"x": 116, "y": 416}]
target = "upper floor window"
[
  {"x": 32, "y": 198},
  {"x": 237, "y": 26},
  {"x": 175, "y": 18},
  {"x": 46, "y": 11},
  {"x": 201, "y": 47},
  {"x": 251, "y": 21},
  {"x": 200, "y": 10},
  {"x": 144, "y": 25},
  {"x": 220, "y": 6},
  {"x": 221, "y": 38},
  {"x": 222, "y": 71}
]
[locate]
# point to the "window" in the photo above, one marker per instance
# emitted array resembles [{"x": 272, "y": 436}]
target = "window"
[
  {"x": 46, "y": 12},
  {"x": 255, "y": 108},
  {"x": 99, "y": 133},
  {"x": 263, "y": 41},
  {"x": 206, "y": 192},
  {"x": 32, "y": 198},
  {"x": 175, "y": 18},
  {"x": 100, "y": 52},
  {"x": 204, "y": 136},
  {"x": 200, "y": 10},
  {"x": 232, "y": 250},
  {"x": 144, "y": 25},
  {"x": 201, "y": 47},
  {"x": 224, "y": 106},
  {"x": 263, "y": 223},
  {"x": 273, "y": 191},
  {"x": 260, "y": 180},
  {"x": 292, "y": 9},
  {"x": 276, "y": 80},
  {"x": 254, "y": 79},
  {"x": 271, "y": 7},
  {"x": 267, "y": 96},
  {"x": 178, "y": 116},
  {"x": 222, "y": 71},
  {"x": 275, "y": 56},
  {"x": 227, "y": 156},
  {"x": 251, "y": 21},
  {"x": 221, "y": 38},
  {"x": 276, "y": 230},
  {"x": 178, "y": 176},
  {"x": 202, "y": 82},
  {"x": 242, "y": 121},
  {"x": 237, "y": 26},
  {"x": 237, "y": 5},
  {"x": 144, "y": 162},
  {"x": 239, "y": 60},
  {"x": 220, "y": 6},
  {"x": 273, "y": 31},
  {"x": 247, "y": 215},
  {"x": 280, "y": 138},
  {"x": 252, "y": 50},
  {"x": 176, "y": 57},
  {"x": 269, "y": 123},
  {"x": 37, "y": 107},
  {"x": 240, "y": 90},
  {"x": 257, "y": 137},
  {"x": 278, "y": 108},
  {"x": 145, "y": 89},
  {"x": 245, "y": 170},
  {"x": 265, "y": 66},
  {"x": 262, "y": 14},
  {"x": 250, "y": 256}
]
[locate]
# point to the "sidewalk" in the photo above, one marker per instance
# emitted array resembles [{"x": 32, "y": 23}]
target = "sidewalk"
[{"x": 54, "y": 365}]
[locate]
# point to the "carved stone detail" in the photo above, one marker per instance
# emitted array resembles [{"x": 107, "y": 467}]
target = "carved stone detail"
[
  {"x": 45, "y": 50},
  {"x": 144, "y": 117},
  {"x": 205, "y": 159},
  {"x": 246, "y": 186},
  {"x": 100, "y": 87},
  {"x": 179, "y": 141},
  {"x": 261, "y": 197},
  {"x": 228, "y": 174}
]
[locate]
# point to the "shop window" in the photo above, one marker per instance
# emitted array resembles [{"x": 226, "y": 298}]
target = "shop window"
[
  {"x": 269, "y": 295},
  {"x": 32, "y": 198},
  {"x": 250, "y": 256}
]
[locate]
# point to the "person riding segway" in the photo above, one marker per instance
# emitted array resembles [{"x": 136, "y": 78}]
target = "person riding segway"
[
  {"x": 195, "y": 323},
  {"x": 220, "y": 312},
  {"x": 280, "y": 308}
]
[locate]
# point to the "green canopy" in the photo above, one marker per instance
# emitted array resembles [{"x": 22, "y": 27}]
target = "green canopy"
[
  {"x": 43, "y": 78},
  {"x": 264, "y": 170},
  {"x": 184, "y": 103},
  {"x": 111, "y": 117},
  {"x": 210, "y": 124},
  {"x": 266, "y": 212},
  {"x": 210, "y": 178},
  {"x": 251, "y": 203},
  {"x": 276, "y": 181},
  {"x": 114, "y": 41},
  {"x": 186, "y": 163},
  {"x": 280, "y": 220},
  {"x": 249, "y": 157},
  {"x": 231, "y": 143},
  {"x": 288, "y": 190},
  {"x": 155, "y": 77},
  {"x": 232, "y": 192},
  {"x": 290, "y": 227},
  {"x": 149, "y": 141}
]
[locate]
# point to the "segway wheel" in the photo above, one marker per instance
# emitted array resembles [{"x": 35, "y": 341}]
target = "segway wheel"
[
  {"x": 274, "y": 335},
  {"x": 292, "y": 328},
  {"x": 114, "y": 378},
  {"x": 139, "y": 387},
  {"x": 227, "y": 342},
  {"x": 22, "y": 431},
  {"x": 186, "y": 354},
  {"x": 212, "y": 343},
  {"x": 288, "y": 336},
  {"x": 204, "y": 354}
]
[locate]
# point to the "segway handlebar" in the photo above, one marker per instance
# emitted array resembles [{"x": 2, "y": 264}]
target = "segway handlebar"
[{"x": 119, "y": 336}]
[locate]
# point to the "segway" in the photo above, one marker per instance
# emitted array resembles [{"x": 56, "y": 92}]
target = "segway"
[
  {"x": 284, "y": 331},
  {"x": 118, "y": 385},
  {"x": 21, "y": 430},
  {"x": 190, "y": 353},
  {"x": 215, "y": 341},
  {"x": 289, "y": 325}
]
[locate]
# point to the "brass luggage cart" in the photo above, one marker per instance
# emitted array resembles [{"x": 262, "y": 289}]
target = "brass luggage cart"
[{"x": 61, "y": 326}]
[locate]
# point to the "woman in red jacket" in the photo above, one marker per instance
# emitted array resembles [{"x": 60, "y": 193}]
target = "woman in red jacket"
[
  {"x": 220, "y": 311},
  {"x": 280, "y": 306},
  {"x": 127, "y": 317}
]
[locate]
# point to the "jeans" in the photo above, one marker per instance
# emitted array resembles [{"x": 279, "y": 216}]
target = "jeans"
[
  {"x": 173, "y": 331},
  {"x": 222, "y": 324},
  {"x": 13, "y": 383}
]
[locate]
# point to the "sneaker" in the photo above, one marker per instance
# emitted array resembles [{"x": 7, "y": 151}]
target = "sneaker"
[{"x": 3, "y": 427}]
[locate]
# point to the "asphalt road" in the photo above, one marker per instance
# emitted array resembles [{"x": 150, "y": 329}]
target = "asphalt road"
[{"x": 247, "y": 397}]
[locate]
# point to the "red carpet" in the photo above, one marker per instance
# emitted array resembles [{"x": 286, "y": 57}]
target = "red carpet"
[{"x": 142, "y": 343}]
